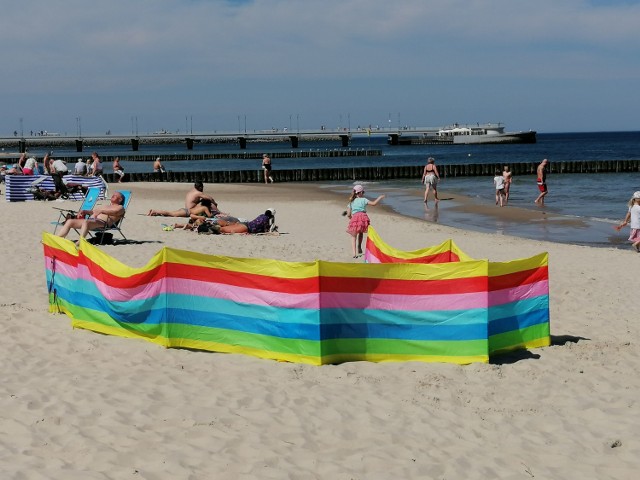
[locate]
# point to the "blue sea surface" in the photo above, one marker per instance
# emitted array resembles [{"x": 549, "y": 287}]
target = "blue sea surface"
[
  {"x": 599, "y": 200},
  {"x": 579, "y": 208}
]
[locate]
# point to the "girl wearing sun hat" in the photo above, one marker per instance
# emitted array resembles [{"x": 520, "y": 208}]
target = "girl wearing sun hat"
[
  {"x": 633, "y": 218},
  {"x": 358, "y": 219}
]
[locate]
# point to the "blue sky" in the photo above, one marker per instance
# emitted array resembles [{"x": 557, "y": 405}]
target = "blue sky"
[{"x": 207, "y": 65}]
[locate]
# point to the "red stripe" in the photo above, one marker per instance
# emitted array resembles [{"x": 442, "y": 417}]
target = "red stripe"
[
  {"x": 523, "y": 277},
  {"x": 404, "y": 287},
  {"x": 443, "y": 257},
  {"x": 284, "y": 285}
]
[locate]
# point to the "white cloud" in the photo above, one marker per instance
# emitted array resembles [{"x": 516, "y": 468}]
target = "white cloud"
[{"x": 121, "y": 57}]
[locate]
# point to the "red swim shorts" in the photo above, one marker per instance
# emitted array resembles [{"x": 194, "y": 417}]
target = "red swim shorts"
[{"x": 542, "y": 186}]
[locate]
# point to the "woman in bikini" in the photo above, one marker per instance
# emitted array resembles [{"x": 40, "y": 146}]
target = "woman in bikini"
[{"x": 430, "y": 178}]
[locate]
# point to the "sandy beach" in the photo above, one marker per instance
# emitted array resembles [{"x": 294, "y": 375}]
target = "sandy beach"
[{"x": 80, "y": 405}]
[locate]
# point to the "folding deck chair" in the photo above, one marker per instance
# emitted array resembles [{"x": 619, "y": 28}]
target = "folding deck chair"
[
  {"x": 64, "y": 190},
  {"x": 99, "y": 233},
  {"x": 93, "y": 193}
]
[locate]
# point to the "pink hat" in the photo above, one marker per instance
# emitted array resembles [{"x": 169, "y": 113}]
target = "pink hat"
[{"x": 358, "y": 188}]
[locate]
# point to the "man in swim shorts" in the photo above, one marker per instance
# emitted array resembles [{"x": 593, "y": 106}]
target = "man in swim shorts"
[
  {"x": 99, "y": 217},
  {"x": 193, "y": 198},
  {"x": 542, "y": 182}
]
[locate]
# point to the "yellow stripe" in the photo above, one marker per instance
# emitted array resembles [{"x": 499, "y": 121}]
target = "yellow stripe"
[{"x": 513, "y": 266}]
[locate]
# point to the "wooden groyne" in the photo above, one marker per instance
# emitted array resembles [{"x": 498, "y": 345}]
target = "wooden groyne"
[{"x": 381, "y": 173}]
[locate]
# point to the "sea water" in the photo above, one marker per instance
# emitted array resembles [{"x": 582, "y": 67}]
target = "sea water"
[{"x": 598, "y": 200}]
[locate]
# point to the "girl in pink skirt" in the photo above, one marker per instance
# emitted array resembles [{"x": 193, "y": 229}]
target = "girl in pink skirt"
[
  {"x": 633, "y": 220},
  {"x": 358, "y": 218}
]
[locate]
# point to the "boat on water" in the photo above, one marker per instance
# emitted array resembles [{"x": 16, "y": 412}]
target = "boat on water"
[{"x": 482, "y": 133}]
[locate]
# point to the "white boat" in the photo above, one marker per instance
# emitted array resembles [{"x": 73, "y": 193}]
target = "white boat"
[{"x": 482, "y": 133}]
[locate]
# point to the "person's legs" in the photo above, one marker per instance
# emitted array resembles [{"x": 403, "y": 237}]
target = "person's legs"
[
  {"x": 426, "y": 192},
  {"x": 234, "y": 228},
  {"x": 72, "y": 223},
  {"x": 360, "y": 237},
  {"x": 353, "y": 244},
  {"x": 435, "y": 192},
  {"x": 543, "y": 193},
  {"x": 183, "y": 212},
  {"x": 90, "y": 224}
]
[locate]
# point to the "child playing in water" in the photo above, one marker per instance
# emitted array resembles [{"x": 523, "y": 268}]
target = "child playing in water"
[
  {"x": 499, "y": 183},
  {"x": 633, "y": 218},
  {"x": 358, "y": 218}
]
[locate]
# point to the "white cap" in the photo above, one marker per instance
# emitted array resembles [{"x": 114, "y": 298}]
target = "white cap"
[
  {"x": 272, "y": 210},
  {"x": 636, "y": 194}
]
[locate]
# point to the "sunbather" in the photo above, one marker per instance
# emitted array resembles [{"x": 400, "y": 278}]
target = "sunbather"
[
  {"x": 99, "y": 217},
  {"x": 191, "y": 201},
  {"x": 263, "y": 223}
]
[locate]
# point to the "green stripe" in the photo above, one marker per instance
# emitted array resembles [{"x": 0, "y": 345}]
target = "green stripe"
[
  {"x": 517, "y": 338},
  {"x": 451, "y": 348}
]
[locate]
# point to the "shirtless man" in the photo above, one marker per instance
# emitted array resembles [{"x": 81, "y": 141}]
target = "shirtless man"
[
  {"x": 118, "y": 169},
  {"x": 193, "y": 198},
  {"x": 508, "y": 178},
  {"x": 157, "y": 166},
  {"x": 542, "y": 182},
  {"x": 99, "y": 217}
]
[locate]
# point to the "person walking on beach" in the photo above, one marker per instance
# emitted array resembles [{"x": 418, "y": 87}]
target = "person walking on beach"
[
  {"x": 266, "y": 167},
  {"x": 118, "y": 169},
  {"x": 542, "y": 182},
  {"x": 358, "y": 219},
  {"x": 430, "y": 178},
  {"x": 633, "y": 218},
  {"x": 96, "y": 166},
  {"x": 508, "y": 178},
  {"x": 498, "y": 182}
]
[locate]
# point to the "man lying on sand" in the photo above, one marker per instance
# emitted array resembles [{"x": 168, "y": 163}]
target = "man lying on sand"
[{"x": 193, "y": 198}]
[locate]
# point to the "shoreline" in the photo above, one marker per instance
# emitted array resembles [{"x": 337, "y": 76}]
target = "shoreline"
[{"x": 76, "y": 402}]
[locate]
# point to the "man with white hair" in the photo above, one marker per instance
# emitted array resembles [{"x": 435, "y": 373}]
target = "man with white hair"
[{"x": 80, "y": 167}]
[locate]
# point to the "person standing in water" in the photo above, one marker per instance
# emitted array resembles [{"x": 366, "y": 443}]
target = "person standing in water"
[
  {"x": 508, "y": 178},
  {"x": 542, "y": 182},
  {"x": 430, "y": 178}
]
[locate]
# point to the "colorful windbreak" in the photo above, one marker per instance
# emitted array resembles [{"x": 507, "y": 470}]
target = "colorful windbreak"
[
  {"x": 517, "y": 291},
  {"x": 308, "y": 312}
]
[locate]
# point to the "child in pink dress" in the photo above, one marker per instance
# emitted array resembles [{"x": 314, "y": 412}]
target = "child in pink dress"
[{"x": 358, "y": 218}]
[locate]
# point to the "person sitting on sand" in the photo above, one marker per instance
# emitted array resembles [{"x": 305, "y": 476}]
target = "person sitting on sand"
[
  {"x": 198, "y": 215},
  {"x": 193, "y": 198},
  {"x": 99, "y": 217}
]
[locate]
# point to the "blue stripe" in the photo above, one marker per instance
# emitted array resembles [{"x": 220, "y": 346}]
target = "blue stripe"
[{"x": 518, "y": 322}]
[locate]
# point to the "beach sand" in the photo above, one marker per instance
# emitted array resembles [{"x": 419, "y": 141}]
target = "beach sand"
[{"x": 79, "y": 405}]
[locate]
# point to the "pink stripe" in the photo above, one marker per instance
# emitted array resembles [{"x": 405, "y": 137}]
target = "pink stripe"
[
  {"x": 520, "y": 292},
  {"x": 260, "y": 297},
  {"x": 370, "y": 257},
  {"x": 196, "y": 288},
  {"x": 404, "y": 302}
]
